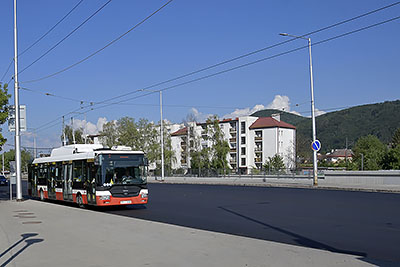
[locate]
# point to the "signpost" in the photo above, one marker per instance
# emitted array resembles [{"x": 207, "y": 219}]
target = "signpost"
[
  {"x": 22, "y": 118},
  {"x": 316, "y": 145}
]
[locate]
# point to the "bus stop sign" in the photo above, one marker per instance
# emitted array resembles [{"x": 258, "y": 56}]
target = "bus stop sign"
[{"x": 316, "y": 145}]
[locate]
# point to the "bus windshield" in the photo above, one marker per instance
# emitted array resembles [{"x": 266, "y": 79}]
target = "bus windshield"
[{"x": 123, "y": 169}]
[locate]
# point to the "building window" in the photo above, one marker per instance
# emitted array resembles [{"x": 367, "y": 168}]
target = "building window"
[
  {"x": 243, "y": 151},
  {"x": 258, "y": 133},
  {"x": 243, "y": 161},
  {"x": 243, "y": 127},
  {"x": 243, "y": 140}
]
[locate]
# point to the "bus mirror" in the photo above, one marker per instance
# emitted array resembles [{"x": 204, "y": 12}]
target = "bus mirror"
[
  {"x": 96, "y": 161},
  {"x": 145, "y": 162}
]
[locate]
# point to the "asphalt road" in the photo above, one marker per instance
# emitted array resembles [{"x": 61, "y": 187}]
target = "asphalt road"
[{"x": 358, "y": 223}]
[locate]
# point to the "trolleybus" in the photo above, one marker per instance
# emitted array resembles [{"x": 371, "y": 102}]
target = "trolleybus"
[{"x": 89, "y": 174}]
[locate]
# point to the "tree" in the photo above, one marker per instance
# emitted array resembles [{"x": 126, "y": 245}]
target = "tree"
[
  {"x": 373, "y": 152},
  {"x": 26, "y": 158},
  {"x": 78, "y": 133},
  {"x": 274, "y": 164},
  {"x": 4, "y": 97},
  {"x": 109, "y": 135},
  {"x": 396, "y": 138},
  {"x": 219, "y": 146}
]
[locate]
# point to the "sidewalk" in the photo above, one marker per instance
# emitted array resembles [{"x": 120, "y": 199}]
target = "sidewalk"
[
  {"x": 34, "y": 233},
  {"x": 278, "y": 182}
]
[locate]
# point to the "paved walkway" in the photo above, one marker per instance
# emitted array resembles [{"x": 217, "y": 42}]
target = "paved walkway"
[
  {"x": 34, "y": 233},
  {"x": 278, "y": 182}
]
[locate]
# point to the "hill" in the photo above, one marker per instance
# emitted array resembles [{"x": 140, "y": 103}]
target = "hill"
[{"x": 381, "y": 120}]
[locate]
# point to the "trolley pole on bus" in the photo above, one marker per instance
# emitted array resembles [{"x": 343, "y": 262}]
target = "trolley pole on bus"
[
  {"x": 17, "y": 117},
  {"x": 161, "y": 131}
]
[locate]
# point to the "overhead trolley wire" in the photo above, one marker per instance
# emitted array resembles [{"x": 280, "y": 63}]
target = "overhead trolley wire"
[
  {"x": 101, "y": 49},
  {"x": 254, "y": 62},
  {"x": 57, "y": 96},
  {"x": 66, "y": 37},
  {"x": 244, "y": 65},
  {"x": 44, "y": 35},
  {"x": 229, "y": 60}
]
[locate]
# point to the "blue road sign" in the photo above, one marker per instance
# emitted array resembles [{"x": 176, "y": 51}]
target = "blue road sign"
[{"x": 316, "y": 145}]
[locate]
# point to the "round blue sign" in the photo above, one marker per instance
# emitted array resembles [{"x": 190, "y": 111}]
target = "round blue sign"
[{"x": 316, "y": 145}]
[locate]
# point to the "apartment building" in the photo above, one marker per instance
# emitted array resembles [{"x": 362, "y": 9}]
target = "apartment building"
[{"x": 251, "y": 140}]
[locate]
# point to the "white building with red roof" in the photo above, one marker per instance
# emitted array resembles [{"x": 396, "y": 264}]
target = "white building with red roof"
[{"x": 252, "y": 141}]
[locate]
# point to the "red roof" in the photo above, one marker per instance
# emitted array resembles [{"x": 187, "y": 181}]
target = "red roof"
[
  {"x": 268, "y": 122},
  {"x": 182, "y": 131}
]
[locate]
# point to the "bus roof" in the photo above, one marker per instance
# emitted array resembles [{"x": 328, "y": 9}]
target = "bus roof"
[{"x": 83, "y": 151}]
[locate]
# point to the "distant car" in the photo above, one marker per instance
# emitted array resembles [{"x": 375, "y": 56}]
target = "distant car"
[{"x": 3, "y": 180}]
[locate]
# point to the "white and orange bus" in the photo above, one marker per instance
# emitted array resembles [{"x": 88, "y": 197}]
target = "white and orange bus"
[{"x": 89, "y": 174}]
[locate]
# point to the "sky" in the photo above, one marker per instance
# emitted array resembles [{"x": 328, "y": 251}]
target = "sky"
[{"x": 186, "y": 36}]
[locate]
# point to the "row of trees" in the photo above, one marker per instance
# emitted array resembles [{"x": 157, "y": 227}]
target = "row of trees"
[{"x": 371, "y": 154}]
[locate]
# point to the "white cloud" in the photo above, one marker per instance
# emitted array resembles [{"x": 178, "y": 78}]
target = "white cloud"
[
  {"x": 88, "y": 127},
  {"x": 279, "y": 102},
  {"x": 199, "y": 116}
]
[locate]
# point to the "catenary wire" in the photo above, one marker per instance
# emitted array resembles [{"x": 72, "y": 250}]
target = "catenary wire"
[
  {"x": 57, "y": 96},
  {"x": 68, "y": 35},
  {"x": 254, "y": 62},
  {"x": 239, "y": 57},
  {"x": 44, "y": 35},
  {"x": 104, "y": 47},
  {"x": 240, "y": 66}
]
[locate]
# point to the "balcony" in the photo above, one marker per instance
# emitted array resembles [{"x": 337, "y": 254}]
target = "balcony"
[
  {"x": 258, "y": 138},
  {"x": 258, "y": 149},
  {"x": 233, "y": 161},
  {"x": 232, "y": 140},
  {"x": 258, "y": 160},
  {"x": 232, "y": 130},
  {"x": 233, "y": 150}
]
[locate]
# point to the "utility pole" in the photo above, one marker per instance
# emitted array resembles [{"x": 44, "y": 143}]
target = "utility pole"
[
  {"x": 16, "y": 103},
  {"x": 73, "y": 132},
  {"x": 314, "y": 131},
  {"x": 34, "y": 144},
  {"x": 162, "y": 139},
  {"x": 161, "y": 132},
  {"x": 63, "y": 131}
]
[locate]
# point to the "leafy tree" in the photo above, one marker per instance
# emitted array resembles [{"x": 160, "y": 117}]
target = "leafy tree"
[
  {"x": 78, "y": 133},
  {"x": 4, "y": 97},
  {"x": 373, "y": 151},
  {"x": 274, "y": 164},
  {"x": 141, "y": 135},
  {"x": 391, "y": 160},
  {"x": 396, "y": 138},
  {"x": 219, "y": 146},
  {"x": 109, "y": 135},
  {"x": 26, "y": 158}
]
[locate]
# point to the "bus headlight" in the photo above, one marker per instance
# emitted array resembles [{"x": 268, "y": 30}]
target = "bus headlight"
[{"x": 144, "y": 193}]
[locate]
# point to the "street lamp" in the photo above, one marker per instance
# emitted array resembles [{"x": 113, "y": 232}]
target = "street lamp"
[
  {"x": 314, "y": 133},
  {"x": 161, "y": 132}
]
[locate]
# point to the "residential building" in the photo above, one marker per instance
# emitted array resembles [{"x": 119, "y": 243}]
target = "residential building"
[{"x": 251, "y": 141}]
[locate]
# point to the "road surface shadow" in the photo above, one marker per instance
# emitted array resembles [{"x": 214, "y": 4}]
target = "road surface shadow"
[{"x": 299, "y": 239}]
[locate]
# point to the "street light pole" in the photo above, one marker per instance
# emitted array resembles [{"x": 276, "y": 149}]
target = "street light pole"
[
  {"x": 17, "y": 115},
  {"x": 161, "y": 132},
  {"x": 162, "y": 139},
  {"x": 314, "y": 131}
]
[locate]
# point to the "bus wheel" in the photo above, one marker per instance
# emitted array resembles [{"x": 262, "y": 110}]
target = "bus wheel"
[
  {"x": 79, "y": 201},
  {"x": 41, "y": 195}
]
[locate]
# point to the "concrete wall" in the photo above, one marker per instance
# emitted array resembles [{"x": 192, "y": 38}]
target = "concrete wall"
[{"x": 368, "y": 178}]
